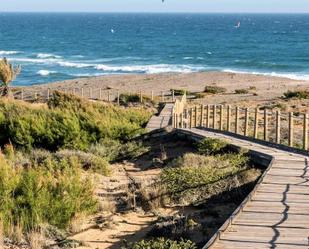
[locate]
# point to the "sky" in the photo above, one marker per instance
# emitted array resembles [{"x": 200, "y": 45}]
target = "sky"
[{"x": 263, "y": 6}]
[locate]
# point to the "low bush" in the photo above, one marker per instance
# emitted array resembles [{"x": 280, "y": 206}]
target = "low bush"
[
  {"x": 161, "y": 243},
  {"x": 52, "y": 192},
  {"x": 87, "y": 161},
  {"x": 114, "y": 150},
  {"x": 301, "y": 94},
  {"x": 211, "y": 146},
  {"x": 214, "y": 89},
  {"x": 180, "y": 92},
  {"x": 192, "y": 171},
  {"x": 127, "y": 99},
  {"x": 67, "y": 122},
  {"x": 241, "y": 91}
]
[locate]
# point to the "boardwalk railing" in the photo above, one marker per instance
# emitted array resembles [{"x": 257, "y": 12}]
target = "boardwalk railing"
[
  {"x": 110, "y": 95},
  {"x": 178, "y": 110},
  {"x": 290, "y": 129}
]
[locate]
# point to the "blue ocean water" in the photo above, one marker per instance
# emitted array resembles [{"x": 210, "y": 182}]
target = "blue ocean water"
[{"x": 52, "y": 47}]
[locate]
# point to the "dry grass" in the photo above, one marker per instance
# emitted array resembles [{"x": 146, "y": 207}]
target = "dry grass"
[
  {"x": 36, "y": 240},
  {"x": 1, "y": 236},
  {"x": 78, "y": 223}
]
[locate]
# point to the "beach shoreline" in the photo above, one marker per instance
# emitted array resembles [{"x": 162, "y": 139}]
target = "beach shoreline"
[{"x": 265, "y": 87}]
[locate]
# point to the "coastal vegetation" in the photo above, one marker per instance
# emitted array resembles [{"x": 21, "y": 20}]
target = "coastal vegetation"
[
  {"x": 241, "y": 91},
  {"x": 7, "y": 74},
  {"x": 67, "y": 122},
  {"x": 49, "y": 154},
  {"x": 214, "y": 89},
  {"x": 299, "y": 94},
  {"x": 161, "y": 243}
]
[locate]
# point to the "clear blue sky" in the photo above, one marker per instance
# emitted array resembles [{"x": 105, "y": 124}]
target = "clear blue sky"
[{"x": 290, "y": 6}]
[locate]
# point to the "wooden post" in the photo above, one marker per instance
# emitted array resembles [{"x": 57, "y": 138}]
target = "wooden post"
[
  {"x": 186, "y": 118},
  {"x": 22, "y": 94},
  {"x": 141, "y": 96},
  {"x": 108, "y": 96},
  {"x": 278, "y": 127},
  {"x": 256, "y": 123},
  {"x": 221, "y": 118},
  {"x": 82, "y": 92},
  {"x": 48, "y": 93},
  {"x": 173, "y": 94},
  {"x": 228, "y": 118},
  {"x": 181, "y": 120},
  {"x": 246, "y": 121},
  {"x": 236, "y": 120},
  {"x": 208, "y": 116},
  {"x": 305, "y": 132},
  {"x": 214, "y": 118},
  {"x": 202, "y": 116},
  {"x": 191, "y": 118},
  {"x": 118, "y": 98},
  {"x": 151, "y": 95},
  {"x": 100, "y": 97},
  {"x": 195, "y": 118},
  {"x": 35, "y": 96},
  {"x": 265, "y": 125},
  {"x": 291, "y": 128},
  {"x": 177, "y": 121}
]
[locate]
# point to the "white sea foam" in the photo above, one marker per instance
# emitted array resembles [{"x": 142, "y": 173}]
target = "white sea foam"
[
  {"x": 45, "y": 72},
  {"x": 74, "y": 64},
  {"x": 3, "y": 52},
  {"x": 188, "y": 58},
  {"x": 45, "y": 56},
  {"x": 273, "y": 74},
  {"x": 151, "y": 69}
]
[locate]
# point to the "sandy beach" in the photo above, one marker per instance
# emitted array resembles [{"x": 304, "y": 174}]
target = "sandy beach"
[{"x": 266, "y": 88}]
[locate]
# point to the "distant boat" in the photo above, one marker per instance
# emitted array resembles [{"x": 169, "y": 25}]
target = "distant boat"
[{"x": 238, "y": 25}]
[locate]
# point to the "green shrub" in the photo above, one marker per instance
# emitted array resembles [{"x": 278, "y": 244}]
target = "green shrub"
[
  {"x": 53, "y": 192},
  {"x": 68, "y": 122},
  {"x": 214, "y": 89},
  {"x": 161, "y": 243},
  {"x": 192, "y": 176},
  {"x": 241, "y": 91},
  {"x": 301, "y": 94},
  {"x": 129, "y": 98},
  {"x": 126, "y": 99},
  {"x": 114, "y": 150},
  {"x": 180, "y": 92},
  {"x": 87, "y": 161},
  {"x": 194, "y": 171},
  {"x": 211, "y": 146}
]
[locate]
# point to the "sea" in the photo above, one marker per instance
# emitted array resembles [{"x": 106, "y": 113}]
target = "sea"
[{"x": 58, "y": 46}]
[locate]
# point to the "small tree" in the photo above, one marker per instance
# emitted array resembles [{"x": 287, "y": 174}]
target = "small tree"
[{"x": 7, "y": 74}]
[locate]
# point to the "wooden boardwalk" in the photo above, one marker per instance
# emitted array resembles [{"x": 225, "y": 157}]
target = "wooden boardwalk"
[
  {"x": 277, "y": 214},
  {"x": 163, "y": 120}
]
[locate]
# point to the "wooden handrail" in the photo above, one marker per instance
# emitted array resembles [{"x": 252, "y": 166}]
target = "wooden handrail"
[{"x": 280, "y": 128}]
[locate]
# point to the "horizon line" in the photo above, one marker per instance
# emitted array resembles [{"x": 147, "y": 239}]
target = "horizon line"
[{"x": 149, "y": 12}]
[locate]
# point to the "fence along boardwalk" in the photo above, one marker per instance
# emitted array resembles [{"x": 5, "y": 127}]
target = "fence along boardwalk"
[{"x": 276, "y": 215}]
